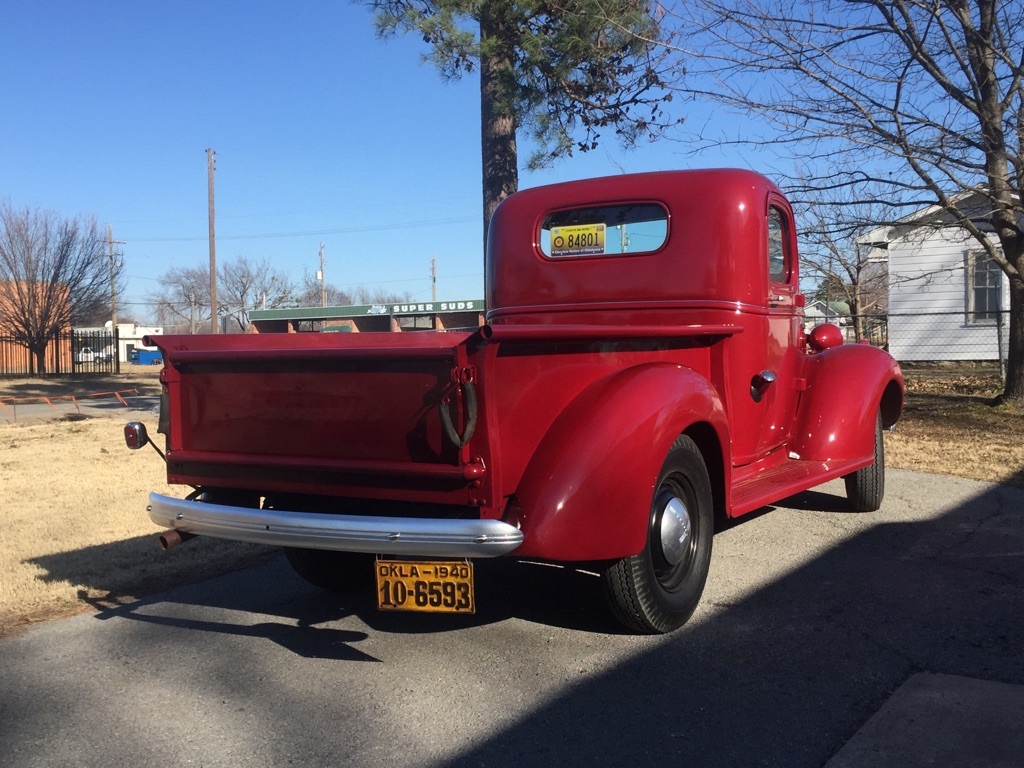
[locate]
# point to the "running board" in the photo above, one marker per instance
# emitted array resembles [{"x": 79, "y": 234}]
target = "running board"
[{"x": 758, "y": 485}]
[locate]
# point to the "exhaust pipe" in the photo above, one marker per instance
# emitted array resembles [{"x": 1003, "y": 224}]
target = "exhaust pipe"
[{"x": 173, "y": 538}]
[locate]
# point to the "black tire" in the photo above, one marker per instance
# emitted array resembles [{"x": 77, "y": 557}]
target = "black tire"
[
  {"x": 658, "y": 589},
  {"x": 331, "y": 571},
  {"x": 865, "y": 488}
]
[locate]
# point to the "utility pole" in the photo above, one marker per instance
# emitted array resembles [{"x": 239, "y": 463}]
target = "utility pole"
[
  {"x": 210, "y": 168},
  {"x": 111, "y": 242},
  {"x": 323, "y": 279},
  {"x": 433, "y": 278}
]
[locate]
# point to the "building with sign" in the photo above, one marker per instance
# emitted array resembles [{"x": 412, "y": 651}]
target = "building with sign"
[{"x": 396, "y": 317}]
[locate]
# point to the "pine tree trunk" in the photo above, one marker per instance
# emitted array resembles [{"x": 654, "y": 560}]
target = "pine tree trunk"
[{"x": 497, "y": 115}]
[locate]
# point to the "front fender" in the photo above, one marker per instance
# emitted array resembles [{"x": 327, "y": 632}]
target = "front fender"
[
  {"x": 586, "y": 493},
  {"x": 846, "y": 387}
]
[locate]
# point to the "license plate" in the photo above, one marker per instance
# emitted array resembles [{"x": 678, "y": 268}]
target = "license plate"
[{"x": 425, "y": 585}]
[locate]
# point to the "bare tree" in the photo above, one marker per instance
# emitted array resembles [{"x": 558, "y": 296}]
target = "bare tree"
[
  {"x": 310, "y": 293},
  {"x": 922, "y": 98},
  {"x": 183, "y": 300},
  {"x": 244, "y": 284},
  {"x": 54, "y": 272}
]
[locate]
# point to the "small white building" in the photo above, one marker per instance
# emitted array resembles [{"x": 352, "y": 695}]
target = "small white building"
[
  {"x": 947, "y": 298},
  {"x": 129, "y": 337}
]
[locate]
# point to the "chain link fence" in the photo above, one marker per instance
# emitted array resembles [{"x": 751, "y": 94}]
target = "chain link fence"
[{"x": 977, "y": 340}]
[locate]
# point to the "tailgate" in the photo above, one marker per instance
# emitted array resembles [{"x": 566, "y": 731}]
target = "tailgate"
[{"x": 313, "y": 413}]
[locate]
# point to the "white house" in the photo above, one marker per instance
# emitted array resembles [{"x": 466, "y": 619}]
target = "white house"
[{"x": 947, "y": 298}]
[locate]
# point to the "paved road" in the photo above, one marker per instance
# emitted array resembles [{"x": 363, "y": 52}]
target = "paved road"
[
  {"x": 813, "y": 617},
  {"x": 132, "y": 407}
]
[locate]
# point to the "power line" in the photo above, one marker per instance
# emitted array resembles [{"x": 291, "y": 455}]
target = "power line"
[
  {"x": 316, "y": 232},
  {"x": 400, "y": 205}
]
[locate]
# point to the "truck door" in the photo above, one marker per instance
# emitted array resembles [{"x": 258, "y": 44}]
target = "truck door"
[
  {"x": 784, "y": 320},
  {"x": 768, "y": 362}
]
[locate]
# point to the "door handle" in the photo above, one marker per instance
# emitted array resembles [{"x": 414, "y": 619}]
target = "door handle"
[{"x": 760, "y": 383}]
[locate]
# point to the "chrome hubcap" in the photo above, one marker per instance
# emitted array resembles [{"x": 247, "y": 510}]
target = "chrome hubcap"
[{"x": 676, "y": 530}]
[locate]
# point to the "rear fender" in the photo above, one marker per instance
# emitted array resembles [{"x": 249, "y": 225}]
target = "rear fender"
[
  {"x": 846, "y": 388},
  {"x": 587, "y": 491}
]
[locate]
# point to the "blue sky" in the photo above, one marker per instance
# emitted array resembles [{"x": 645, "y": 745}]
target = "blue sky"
[{"x": 323, "y": 133}]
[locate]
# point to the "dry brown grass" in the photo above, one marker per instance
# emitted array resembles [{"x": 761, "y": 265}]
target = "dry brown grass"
[
  {"x": 76, "y": 533},
  {"x": 73, "y": 497},
  {"x": 951, "y": 427}
]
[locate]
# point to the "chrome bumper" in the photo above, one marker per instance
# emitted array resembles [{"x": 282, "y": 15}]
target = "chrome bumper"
[{"x": 346, "y": 533}]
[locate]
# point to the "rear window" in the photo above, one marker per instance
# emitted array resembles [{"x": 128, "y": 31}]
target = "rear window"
[{"x": 606, "y": 230}]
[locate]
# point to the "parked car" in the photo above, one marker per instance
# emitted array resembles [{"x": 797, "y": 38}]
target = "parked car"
[{"x": 89, "y": 355}]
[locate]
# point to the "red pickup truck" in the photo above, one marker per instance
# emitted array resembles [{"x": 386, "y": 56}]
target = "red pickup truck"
[{"x": 643, "y": 372}]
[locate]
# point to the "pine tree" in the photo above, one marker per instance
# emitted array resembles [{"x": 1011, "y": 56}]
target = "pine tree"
[{"x": 563, "y": 72}]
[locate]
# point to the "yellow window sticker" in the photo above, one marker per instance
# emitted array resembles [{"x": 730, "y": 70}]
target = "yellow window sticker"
[{"x": 577, "y": 240}]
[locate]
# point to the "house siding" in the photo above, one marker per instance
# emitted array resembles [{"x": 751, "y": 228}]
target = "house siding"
[{"x": 927, "y": 299}]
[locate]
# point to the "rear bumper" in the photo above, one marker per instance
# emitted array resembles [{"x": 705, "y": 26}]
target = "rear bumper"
[{"x": 345, "y": 533}]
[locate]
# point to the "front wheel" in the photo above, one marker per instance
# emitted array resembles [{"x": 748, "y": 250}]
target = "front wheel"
[
  {"x": 865, "y": 488},
  {"x": 658, "y": 589}
]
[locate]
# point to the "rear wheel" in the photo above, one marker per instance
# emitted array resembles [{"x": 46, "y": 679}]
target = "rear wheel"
[
  {"x": 865, "y": 488},
  {"x": 658, "y": 589},
  {"x": 329, "y": 570}
]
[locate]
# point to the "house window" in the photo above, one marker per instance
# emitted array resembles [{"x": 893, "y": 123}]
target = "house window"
[{"x": 984, "y": 284}]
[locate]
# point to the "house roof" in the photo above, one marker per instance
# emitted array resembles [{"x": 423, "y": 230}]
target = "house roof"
[{"x": 880, "y": 237}]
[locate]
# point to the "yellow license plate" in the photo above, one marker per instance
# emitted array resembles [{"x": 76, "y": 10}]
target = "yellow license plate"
[
  {"x": 425, "y": 585},
  {"x": 578, "y": 240}
]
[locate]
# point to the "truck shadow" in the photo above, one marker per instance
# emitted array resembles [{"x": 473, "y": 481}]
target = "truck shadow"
[
  {"x": 110, "y": 575},
  {"x": 303, "y": 637},
  {"x": 540, "y": 594},
  {"x": 135, "y": 566}
]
